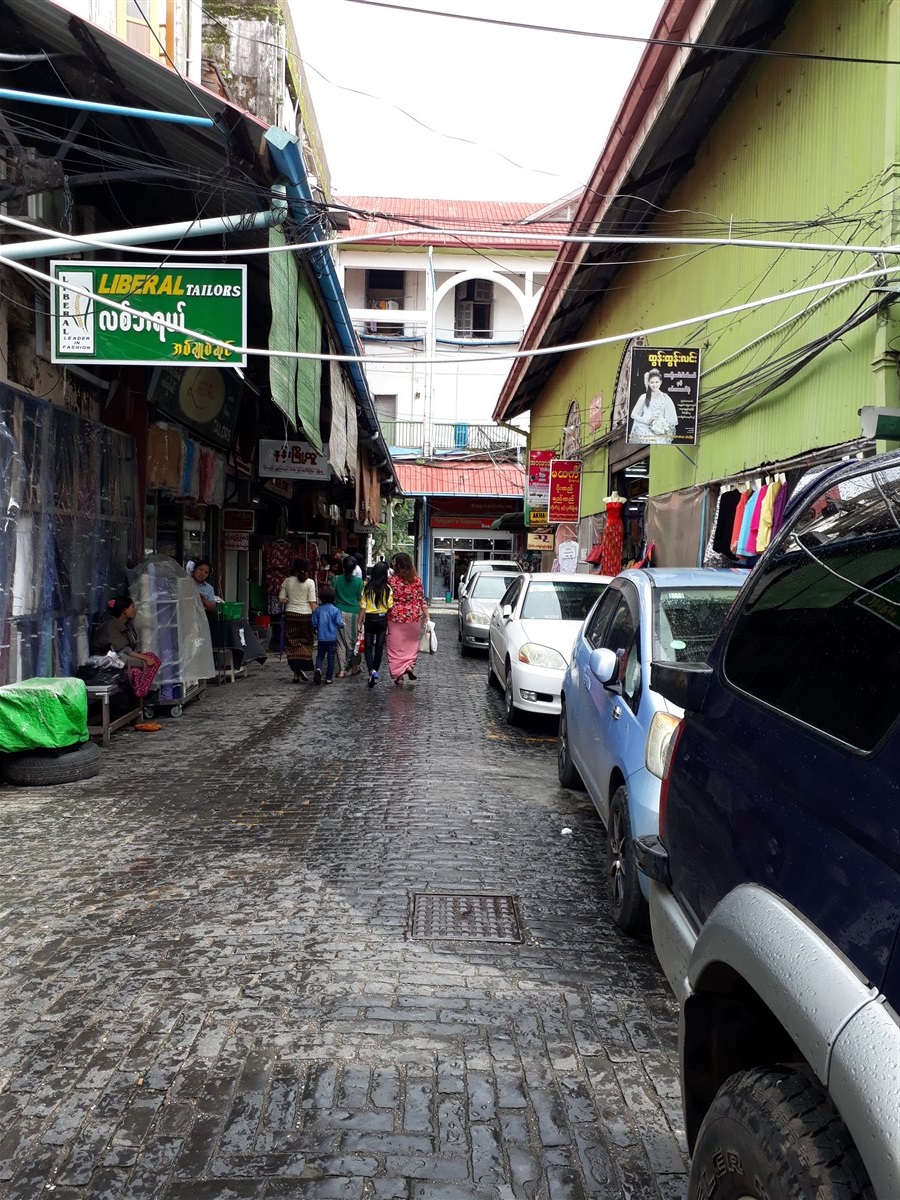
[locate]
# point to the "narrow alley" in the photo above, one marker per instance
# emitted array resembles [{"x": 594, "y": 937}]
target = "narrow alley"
[{"x": 328, "y": 942}]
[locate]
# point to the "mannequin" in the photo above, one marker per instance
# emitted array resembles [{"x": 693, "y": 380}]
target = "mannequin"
[{"x": 613, "y": 535}]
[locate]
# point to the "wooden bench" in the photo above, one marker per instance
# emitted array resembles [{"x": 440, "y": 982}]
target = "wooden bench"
[{"x": 104, "y": 693}]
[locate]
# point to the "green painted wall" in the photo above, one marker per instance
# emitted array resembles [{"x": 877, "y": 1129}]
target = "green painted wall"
[{"x": 801, "y": 143}]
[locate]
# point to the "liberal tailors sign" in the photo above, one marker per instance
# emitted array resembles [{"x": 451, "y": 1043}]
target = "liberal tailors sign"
[{"x": 159, "y": 313}]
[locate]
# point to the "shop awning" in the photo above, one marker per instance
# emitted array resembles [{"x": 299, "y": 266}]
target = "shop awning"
[{"x": 504, "y": 480}]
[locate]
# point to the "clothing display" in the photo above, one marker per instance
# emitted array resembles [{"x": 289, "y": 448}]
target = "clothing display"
[
  {"x": 723, "y": 521},
  {"x": 613, "y": 539}
]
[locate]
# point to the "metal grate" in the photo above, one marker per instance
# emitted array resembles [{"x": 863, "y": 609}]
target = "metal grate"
[{"x": 451, "y": 916}]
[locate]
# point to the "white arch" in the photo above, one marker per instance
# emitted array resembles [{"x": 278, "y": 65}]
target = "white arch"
[{"x": 465, "y": 276}]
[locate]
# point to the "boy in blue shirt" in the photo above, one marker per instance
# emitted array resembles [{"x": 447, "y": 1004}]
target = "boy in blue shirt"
[{"x": 326, "y": 620}]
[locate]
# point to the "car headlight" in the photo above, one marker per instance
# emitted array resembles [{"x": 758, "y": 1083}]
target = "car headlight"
[
  {"x": 541, "y": 656},
  {"x": 475, "y": 617}
]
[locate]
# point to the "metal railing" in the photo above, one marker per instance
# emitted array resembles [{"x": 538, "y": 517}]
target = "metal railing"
[{"x": 450, "y": 435}]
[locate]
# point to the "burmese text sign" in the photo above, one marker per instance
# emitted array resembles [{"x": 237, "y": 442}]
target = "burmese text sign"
[
  {"x": 665, "y": 386},
  {"x": 565, "y": 490},
  {"x": 537, "y": 495},
  {"x": 158, "y": 314}
]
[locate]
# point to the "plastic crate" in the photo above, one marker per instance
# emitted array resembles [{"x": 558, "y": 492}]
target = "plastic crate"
[{"x": 231, "y": 610}]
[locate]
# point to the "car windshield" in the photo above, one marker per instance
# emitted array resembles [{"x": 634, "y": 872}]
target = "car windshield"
[
  {"x": 688, "y": 622},
  {"x": 489, "y": 585},
  {"x": 563, "y": 601}
]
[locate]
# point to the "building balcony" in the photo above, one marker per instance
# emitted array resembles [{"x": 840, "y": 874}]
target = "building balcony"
[{"x": 409, "y": 436}]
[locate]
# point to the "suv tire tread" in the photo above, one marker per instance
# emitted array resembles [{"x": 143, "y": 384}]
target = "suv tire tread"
[{"x": 772, "y": 1133}]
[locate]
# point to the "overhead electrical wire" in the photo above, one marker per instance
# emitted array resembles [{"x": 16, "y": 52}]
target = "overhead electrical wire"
[
  {"x": 880, "y": 272},
  {"x": 623, "y": 37}
]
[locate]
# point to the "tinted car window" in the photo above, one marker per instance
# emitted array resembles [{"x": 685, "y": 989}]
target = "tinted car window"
[
  {"x": 819, "y": 634},
  {"x": 622, "y": 638},
  {"x": 600, "y": 620},
  {"x": 688, "y": 622},
  {"x": 511, "y": 595},
  {"x": 489, "y": 586},
  {"x": 558, "y": 601}
]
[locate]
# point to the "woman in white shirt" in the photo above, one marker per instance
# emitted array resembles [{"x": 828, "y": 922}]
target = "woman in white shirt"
[{"x": 298, "y": 595}]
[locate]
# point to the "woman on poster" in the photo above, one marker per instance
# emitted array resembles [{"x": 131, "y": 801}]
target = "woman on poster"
[{"x": 653, "y": 418}]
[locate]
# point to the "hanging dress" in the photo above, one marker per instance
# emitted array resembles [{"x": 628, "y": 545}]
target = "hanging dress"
[{"x": 613, "y": 540}]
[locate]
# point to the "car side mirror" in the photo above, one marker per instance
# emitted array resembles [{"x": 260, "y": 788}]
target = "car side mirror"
[
  {"x": 684, "y": 684},
  {"x": 506, "y": 612},
  {"x": 604, "y": 666}
]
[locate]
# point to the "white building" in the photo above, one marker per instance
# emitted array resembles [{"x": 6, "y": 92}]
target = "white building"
[{"x": 442, "y": 295}]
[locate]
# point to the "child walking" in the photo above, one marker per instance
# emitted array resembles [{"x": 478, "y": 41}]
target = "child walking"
[{"x": 326, "y": 620}]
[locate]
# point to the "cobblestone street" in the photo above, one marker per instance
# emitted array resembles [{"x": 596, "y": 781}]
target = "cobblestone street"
[{"x": 213, "y": 985}]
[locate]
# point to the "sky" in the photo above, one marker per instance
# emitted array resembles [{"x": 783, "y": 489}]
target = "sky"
[{"x": 476, "y": 95}]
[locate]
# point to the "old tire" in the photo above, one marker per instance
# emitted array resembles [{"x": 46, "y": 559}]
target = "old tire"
[
  {"x": 565, "y": 768},
  {"x": 629, "y": 908},
  {"x": 34, "y": 769},
  {"x": 772, "y": 1133}
]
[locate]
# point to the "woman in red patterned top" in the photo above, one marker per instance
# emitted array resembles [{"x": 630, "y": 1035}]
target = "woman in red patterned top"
[{"x": 405, "y": 619}]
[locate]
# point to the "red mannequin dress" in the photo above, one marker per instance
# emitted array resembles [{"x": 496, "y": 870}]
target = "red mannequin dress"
[{"x": 613, "y": 537}]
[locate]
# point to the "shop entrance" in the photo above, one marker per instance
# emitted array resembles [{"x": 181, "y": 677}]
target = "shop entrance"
[{"x": 451, "y": 557}]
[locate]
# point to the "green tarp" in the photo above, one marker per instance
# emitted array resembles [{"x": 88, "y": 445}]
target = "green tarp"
[
  {"x": 39, "y": 714},
  {"x": 296, "y": 383}
]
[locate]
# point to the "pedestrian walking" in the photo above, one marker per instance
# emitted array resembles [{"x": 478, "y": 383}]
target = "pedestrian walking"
[
  {"x": 298, "y": 595},
  {"x": 375, "y": 604},
  {"x": 405, "y": 619},
  {"x": 348, "y": 588},
  {"x": 327, "y": 621}
]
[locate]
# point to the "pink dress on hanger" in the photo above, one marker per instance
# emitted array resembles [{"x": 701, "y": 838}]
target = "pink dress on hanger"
[{"x": 613, "y": 540}]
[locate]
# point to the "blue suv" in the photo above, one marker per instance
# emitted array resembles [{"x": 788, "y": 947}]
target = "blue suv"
[{"x": 775, "y": 878}]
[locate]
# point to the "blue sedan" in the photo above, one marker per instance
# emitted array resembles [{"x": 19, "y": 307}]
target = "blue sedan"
[{"x": 646, "y": 614}]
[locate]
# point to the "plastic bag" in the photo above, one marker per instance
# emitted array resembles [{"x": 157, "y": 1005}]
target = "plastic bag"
[{"x": 428, "y": 640}]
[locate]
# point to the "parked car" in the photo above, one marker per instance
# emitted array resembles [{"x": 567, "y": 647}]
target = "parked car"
[
  {"x": 485, "y": 564},
  {"x": 476, "y": 606},
  {"x": 775, "y": 876},
  {"x": 531, "y": 634},
  {"x": 607, "y": 704}
]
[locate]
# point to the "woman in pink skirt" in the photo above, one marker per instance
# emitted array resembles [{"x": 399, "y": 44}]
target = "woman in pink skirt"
[{"x": 405, "y": 619}]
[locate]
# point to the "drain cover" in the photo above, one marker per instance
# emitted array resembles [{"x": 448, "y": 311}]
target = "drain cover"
[{"x": 450, "y": 916}]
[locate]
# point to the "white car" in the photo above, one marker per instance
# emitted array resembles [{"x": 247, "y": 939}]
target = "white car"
[
  {"x": 485, "y": 564},
  {"x": 531, "y": 636}
]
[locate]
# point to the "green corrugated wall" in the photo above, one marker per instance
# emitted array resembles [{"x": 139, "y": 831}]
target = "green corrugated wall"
[{"x": 801, "y": 143}]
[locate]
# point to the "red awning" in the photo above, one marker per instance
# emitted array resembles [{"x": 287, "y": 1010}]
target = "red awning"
[{"x": 461, "y": 479}]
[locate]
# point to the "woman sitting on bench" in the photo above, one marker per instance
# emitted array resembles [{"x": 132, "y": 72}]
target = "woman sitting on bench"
[{"x": 116, "y": 632}]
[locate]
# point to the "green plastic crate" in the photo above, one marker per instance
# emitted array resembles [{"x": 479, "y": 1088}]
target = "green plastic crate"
[{"x": 231, "y": 610}]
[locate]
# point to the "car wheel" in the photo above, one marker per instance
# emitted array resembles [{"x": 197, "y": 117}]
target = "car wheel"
[
  {"x": 743, "y": 1151},
  {"x": 34, "y": 769},
  {"x": 629, "y": 908},
  {"x": 459, "y": 633},
  {"x": 513, "y": 717},
  {"x": 490, "y": 674},
  {"x": 565, "y": 768},
  {"x": 464, "y": 650}
]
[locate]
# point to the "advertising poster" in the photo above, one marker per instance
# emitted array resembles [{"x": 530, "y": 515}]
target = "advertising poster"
[
  {"x": 565, "y": 490},
  {"x": 662, "y": 405},
  {"x": 537, "y": 493}
]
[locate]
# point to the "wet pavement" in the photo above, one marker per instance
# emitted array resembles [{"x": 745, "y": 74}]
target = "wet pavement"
[{"x": 327, "y": 942}]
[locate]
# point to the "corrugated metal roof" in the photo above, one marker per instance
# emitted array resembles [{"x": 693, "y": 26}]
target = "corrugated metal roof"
[
  {"x": 495, "y": 215},
  {"x": 461, "y": 479}
]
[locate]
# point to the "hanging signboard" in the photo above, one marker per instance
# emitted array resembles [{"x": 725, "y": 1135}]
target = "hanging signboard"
[
  {"x": 565, "y": 490},
  {"x": 537, "y": 490},
  {"x": 540, "y": 539},
  {"x": 239, "y": 519},
  {"x": 665, "y": 389},
  {"x": 292, "y": 460},
  {"x": 206, "y": 400},
  {"x": 235, "y": 540},
  {"x": 166, "y": 313}
]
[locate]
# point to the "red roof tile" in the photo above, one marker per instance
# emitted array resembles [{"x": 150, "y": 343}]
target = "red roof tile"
[
  {"x": 461, "y": 479},
  {"x": 503, "y": 217}
]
